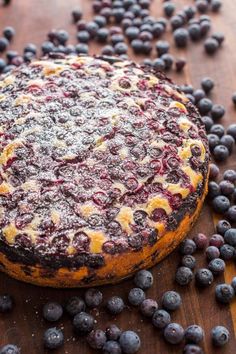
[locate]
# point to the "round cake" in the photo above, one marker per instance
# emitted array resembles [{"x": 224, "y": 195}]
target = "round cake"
[{"x": 103, "y": 170}]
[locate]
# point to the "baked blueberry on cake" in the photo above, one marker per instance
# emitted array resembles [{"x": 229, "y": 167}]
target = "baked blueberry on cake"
[{"x": 103, "y": 170}]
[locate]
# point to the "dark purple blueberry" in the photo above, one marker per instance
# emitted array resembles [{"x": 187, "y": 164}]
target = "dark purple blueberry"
[
  {"x": 76, "y": 15},
  {"x": 220, "y": 153},
  {"x": 6, "y": 303},
  {"x": 217, "y": 111},
  {"x": 180, "y": 64},
  {"x": 194, "y": 334},
  {"x": 218, "y": 130},
  {"x": 135, "y": 9},
  {"x": 187, "y": 89},
  {"x": 113, "y": 332},
  {"x": 137, "y": 46},
  {"x": 132, "y": 33},
  {"x": 191, "y": 98},
  {"x": 145, "y": 36},
  {"x": 220, "y": 204},
  {"x": 187, "y": 246},
  {"x": 162, "y": 47},
  {"x": 143, "y": 279},
  {"x": 228, "y": 141},
  {"x": 208, "y": 122},
  {"x": 8, "y": 68},
  {"x": 232, "y": 131},
  {"x": 214, "y": 171},
  {"x": 47, "y": 47},
  {"x": 216, "y": 5},
  {"x": 183, "y": 276},
  {"x": 100, "y": 20},
  {"x": 52, "y": 311},
  {"x": 220, "y": 336},
  {"x": 118, "y": 14},
  {"x": 213, "y": 189},
  {"x": 62, "y": 36},
  {"x": 190, "y": 11},
  {"x": 168, "y": 60},
  {"x": 2, "y": 64},
  {"x": 216, "y": 240},
  {"x": 147, "y": 62},
  {"x": 211, "y": 45},
  {"x": 226, "y": 187},
  {"x": 146, "y": 47},
  {"x": 204, "y": 106},
  {"x": 231, "y": 213},
  {"x": 213, "y": 140},
  {"x": 217, "y": 266},
  {"x": 227, "y": 252},
  {"x": 192, "y": 349},
  {"x": 230, "y": 175},
  {"x": 108, "y": 50},
  {"x": 117, "y": 38},
  {"x": 174, "y": 333},
  {"x": 148, "y": 307},
  {"x": 222, "y": 226},
  {"x": 207, "y": 84},
  {"x": 96, "y": 339},
  {"x": 145, "y": 4},
  {"x": 188, "y": 261},
  {"x": 136, "y": 296},
  {"x": 83, "y": 322},
  {"x": 168, "y": 8},
  {"x": 115, "y": 305},
  {"x": 194, "y": 31},
  {"x": 81, "y": 48},
  {"x": 198, "y": 95},
  {"x": 9, "y": 32},
  {"x": 53, "y": 338},
  {"x": 111, "y": 347},
  {"x": 84, "y": 36},
  {"x": 181, "y": 37},
  {"x": 212, "y": 252},
  {"x": 158, "y": 64},
  {"x": 30, "y": 47},
  {"x": 224, "y": 293},
  {"x": 171, "y": 300},
  {"x": 92, "y": 28},
  {"x": 203, "y": 277},
  {"x": 219, "y": 36},
  {"x": 3, "y": 44},
  {"x": 121, "y": 48},
  {"x": 234, "y": 98},
  {"x": 202, "y": 6},
  {"x": 161, "y": 319},
  {"x": 230, "y": 237},
  {"x": 233, "y": 284},
  {"x": 157, "y": 30},
  {"x": 93, "y": 297},
  {"x": 129, "y": 342},
  {"x": 75, "y": 305},
  {"x": 176, "y": 22},
  {"x": 201, "y": 241},
  {"x": 10, "y": 349}
]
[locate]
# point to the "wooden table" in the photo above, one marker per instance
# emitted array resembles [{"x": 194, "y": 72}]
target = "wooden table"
[{"x": 24, "y": 326}]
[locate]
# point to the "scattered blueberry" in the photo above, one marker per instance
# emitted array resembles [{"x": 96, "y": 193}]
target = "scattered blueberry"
[
  {"x": 205, "y": 105},
  {"x": 220, "y": 336},
  {"x": 83, "y": 322},
  {"x": 9, "y": 32},
  {"x": 136, "y": 296},
  {"x": 214, "y": 171},
  {"x": 171, "y": 300},
  {"x": 217, "y": 266},
  {"x": 93, "y": 297},
  {"x": 53, "y": 338},
  {"x": 174, "y": 333},
  {"x": 143, "y": 279},
  {"x": 75, "y": 305},
  {"x": 10, "y": 349},
  {"x": 183, "y": 276},
  {"x": 230, "y": 237},
  {"x": 129, "y": 342},
  {"x": 203, "y": 277},
  {"x": 211, "y": 45},
  {"x": 207, "y": 84},
  {"x": 192, "y": 349},
  {"x": 115, "y": 305},
  {"x": 96, "y": 339},
  {"x": 181, "y": 37},
  {"x": 227, "y": 252},
  {"x": 216, "y": 240},
  {"x": 3, "y": 44},
  {"x": 222, "y": 226},
  {"x": 188, "y": 261},
  {"x": 52, "y": 311},
  {"x": 113, "y": 332},
  {"x": 148, "y": 307},
  {"x": 194, "y": 334},
  {"x": 111, "y": 347},
  {"x": 187, "y": 246},
  {"x": 6, "y": 303},
  {"x": 212, "y": 252},
  {"x": 201, "y": 241}
]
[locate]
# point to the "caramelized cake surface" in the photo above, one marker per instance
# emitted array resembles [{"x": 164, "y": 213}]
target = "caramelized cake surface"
[{"x": 99, "y": 164}]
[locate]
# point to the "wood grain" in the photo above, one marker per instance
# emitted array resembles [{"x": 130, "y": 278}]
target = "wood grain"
[{"x": 24, "y": 326}]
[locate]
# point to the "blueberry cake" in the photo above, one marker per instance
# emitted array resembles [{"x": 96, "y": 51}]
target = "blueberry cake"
[{"x": 103, "y": 170}]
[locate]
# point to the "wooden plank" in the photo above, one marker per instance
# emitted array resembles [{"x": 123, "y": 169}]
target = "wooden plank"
[{"x": 24, "y": 326}]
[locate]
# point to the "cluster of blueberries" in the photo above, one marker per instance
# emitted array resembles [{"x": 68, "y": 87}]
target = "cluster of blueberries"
[
  {"x": 121, "y": 22},
  {"x": 115, "y": 341},
  {"x": 222, "y": 195}
]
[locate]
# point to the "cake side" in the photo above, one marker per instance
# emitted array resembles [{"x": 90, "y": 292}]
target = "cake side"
[{"x": 101, "y": 165}]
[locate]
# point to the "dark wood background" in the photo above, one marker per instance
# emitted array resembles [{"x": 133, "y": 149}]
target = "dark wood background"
[{"x": 24, "y": 326}]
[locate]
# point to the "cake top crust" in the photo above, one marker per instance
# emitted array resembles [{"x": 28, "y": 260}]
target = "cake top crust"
[{"x": 94, "y": 157}]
